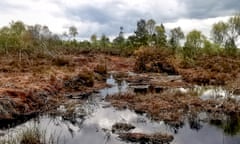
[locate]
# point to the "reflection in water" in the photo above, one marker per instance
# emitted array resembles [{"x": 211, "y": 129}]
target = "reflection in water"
[
  {"x": 231, "y": 125},
  {"x": 194, "y": 122},
  {"x": 95, "y": 126}
]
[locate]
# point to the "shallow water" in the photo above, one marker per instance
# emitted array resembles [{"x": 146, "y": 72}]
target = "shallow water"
[{"x": 95, "y": 126}]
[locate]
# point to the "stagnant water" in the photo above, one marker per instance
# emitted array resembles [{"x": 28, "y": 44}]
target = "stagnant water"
[{"x": 93, "y": 126}]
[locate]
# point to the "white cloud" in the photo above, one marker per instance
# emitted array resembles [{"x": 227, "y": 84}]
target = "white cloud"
[
  {"x": 106, "y": 16},
  {"x": 187, "y": 25},
  {"x": 35, "y": 12}
]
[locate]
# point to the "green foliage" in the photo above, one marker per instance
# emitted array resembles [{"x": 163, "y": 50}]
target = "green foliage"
[
  {"x": 151, "y": 30},
  {"x": 104, "y": 41},
  {"x": 119, "y": 41},
  {"x": 210, "y": 48},
  {"x": 160, "y": 36},
  {"x": 141, "y": 34},
  {"x": 22, "y": 39},
  {"x": 219, "y": 32},
  {"x": 227, "y": 34},
  {"x": 94, "y": 41},
  {"x": 176, "y": 35},
  {"x": 73, "y": 31},
  {"x": 194, "y": 42}
]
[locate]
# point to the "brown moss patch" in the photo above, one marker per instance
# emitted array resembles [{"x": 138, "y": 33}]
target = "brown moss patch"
[{"x": 156, "y": 138}]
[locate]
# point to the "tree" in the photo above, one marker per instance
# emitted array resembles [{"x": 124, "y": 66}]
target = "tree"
[
  {"x": 160, "y": 38},
  {"x": 130, "y": 42},
  {"x": 176, "y": 35},
  {"x": 194, "y": 41},
  {"x": 151, "y": 26},
  {"x": 73, "y": 31},
  {"x": 141, "y": 33},
  {"x": 4, "y": 38},
  {"x": 46, "y": 34},
  {"x": 16, "y": 30},
  {"x": 210, "y": 48},
  {"x": 234, "y": 24},
  {"x": 151, "y": 30},
  {"x": 227, "y": 34},
  {"x": 94, "y": 40},
  {"x": 17, "y": 27},
  {"x": 219, "y": 33},
  {"x": 35, "y": 33},
  {"x": 104, "y": 41},
  {"x": 119, "y": 40}
]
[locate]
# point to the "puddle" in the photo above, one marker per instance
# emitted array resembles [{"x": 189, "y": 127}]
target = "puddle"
[
  {"x": 95, "y": 126},
  {"x": 211, "y": 92}
]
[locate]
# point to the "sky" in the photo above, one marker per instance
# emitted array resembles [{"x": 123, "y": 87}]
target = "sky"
[{"x": 107, "y": 16}]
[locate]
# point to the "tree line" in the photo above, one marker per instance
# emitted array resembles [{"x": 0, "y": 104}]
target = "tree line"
[{"x": 224, "y": 37}]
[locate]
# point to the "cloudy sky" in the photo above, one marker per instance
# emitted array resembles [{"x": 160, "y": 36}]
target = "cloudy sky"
[{"x": 106, "y": 16}]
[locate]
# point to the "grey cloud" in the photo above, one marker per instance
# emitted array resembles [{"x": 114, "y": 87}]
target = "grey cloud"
[
  {"x": 7, "y": 7},
  {"x": 90, "y": 13},
  {"x": 111, "y": 15},
  {"x": 211, "y": 8}
]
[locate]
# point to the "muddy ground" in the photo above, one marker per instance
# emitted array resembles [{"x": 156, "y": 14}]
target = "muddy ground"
[{"x": 29, "y": 86}]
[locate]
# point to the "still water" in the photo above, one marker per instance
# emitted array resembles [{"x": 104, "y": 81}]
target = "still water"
[{"x": 94, "y": 119}]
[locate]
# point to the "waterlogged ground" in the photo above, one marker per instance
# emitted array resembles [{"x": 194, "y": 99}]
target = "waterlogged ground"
[{"x": 92, "y": 122}]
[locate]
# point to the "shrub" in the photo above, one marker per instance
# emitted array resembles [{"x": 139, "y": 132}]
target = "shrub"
[
  {"x": 154, "y": 60},
  {"x": 60, "y": 61}
]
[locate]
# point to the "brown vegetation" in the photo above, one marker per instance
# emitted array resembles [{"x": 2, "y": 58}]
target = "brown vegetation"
[
  {"x": 171, "y": 107},
  {"x": 118, "y": 127},
  {"x": 35, "y": 84},
  {"x": 213, "y": 70},
  {"x": 154, "y": 60},
  {"x": 156, "y": 138}
]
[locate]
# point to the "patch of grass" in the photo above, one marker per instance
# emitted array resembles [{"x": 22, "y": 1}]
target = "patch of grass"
[{"x": 30, "y": 135}]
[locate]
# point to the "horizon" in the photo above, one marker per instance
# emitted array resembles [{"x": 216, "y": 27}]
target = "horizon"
[{"x": 107, "y": 16}]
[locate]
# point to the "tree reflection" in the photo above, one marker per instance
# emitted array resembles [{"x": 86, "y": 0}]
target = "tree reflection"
[{"x": 231, "y": 125}]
